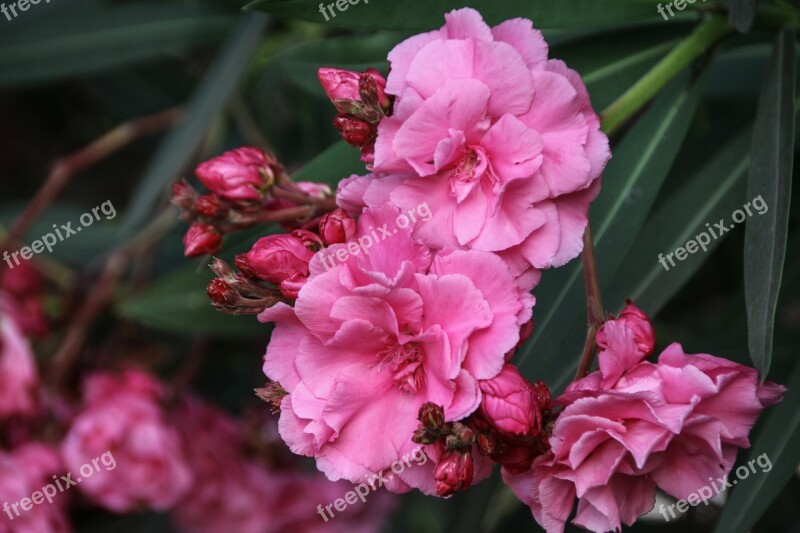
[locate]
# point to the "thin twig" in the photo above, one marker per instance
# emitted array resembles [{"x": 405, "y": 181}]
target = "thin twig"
[
  {"x": 64, "y": 169},
  {"x": 594, "y": 303}
]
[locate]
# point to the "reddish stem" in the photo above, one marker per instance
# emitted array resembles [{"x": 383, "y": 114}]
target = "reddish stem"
[{"x": 594, "y": 303}]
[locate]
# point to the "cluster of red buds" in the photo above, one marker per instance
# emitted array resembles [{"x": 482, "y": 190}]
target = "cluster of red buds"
[
  {"x": 276, "y": 267},
  {"x": 247, "y": 186},
  {"x": 455, "y": 442},
  {"x": 361, "y": 100}
]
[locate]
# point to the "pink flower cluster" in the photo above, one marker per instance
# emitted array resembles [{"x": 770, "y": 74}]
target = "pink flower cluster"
[
  {"x": 406, "y": 340},
  {"x": 633, "y": 426},
  {"x": 499, "y": 140}
]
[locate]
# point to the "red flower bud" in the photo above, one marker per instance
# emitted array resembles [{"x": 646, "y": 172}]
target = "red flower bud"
[
  {"x": 337, "y": 227},
  {"x": 276, "y": 258},
  {"x": 354, "y": 131},
  {"x": 210, "y": 206},
  {"x": 241, "y": 175},
  {"x": 310, "y": 240},
  {"x": 221, "y": 293},
  {"x": 201, "y": 239},
  {"x": 339, "y": 84},
  {"x": 454, "y": 473}
]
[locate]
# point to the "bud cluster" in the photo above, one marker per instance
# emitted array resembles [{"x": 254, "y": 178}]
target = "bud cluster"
[
  {"x": 247, "y": 186},
  {"x": 361, "y": 100},
  {"x": 276, "y": 268}
]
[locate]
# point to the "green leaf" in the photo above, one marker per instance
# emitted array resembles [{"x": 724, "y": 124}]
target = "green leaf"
[
  {"x": 82, "y": 39},
  {"x": 299, "y": 63},
  {"x": 630, "y": 185},
  {"x": 711, "y": 194},
  {"x": 770, "y": 178},
  {"x": 178, "y": 303},
  {"x": 428, "y": 14},
  {"x": 779, "y": 440},
  {"x": 333, "y": 165},
  {"x": 177, "y": 151}
]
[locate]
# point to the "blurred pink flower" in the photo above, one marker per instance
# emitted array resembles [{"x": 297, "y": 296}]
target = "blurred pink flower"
[
  {"x": 18, "y": 374},
  {"x": 633, "y": 426},
  {"x": 22, "y": 473},
  {"x": 122, "y": 415},
  {"x": 501, "y": 142},
  {"x": 372, "y": 339},
  {"x": 240, "y": 175}
]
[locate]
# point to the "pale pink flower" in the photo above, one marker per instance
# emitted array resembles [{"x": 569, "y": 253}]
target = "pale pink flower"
[
  {"x": 501, "y": 142},
  {"x": 19, "y": 377},
  {"x": 633, "y": 426},
  {"x": 122, "y": 415},
  {"x": 379, "y": 334}
]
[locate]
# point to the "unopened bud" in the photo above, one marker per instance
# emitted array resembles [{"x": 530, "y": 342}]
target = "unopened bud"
[
  {"x": 337, "y": 227},
  {"x": 221, "y": 293},
  {"x": 210, "y": 206},
  {"x": 454, "y": 473},
  {"x": 201, "y": 239},
  {"x": 431, "y": 416},
  {"x": 354, "y": 131}
]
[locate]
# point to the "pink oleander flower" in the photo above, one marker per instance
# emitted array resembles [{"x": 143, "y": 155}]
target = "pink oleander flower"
[
  {"x": 386, "y": 329},
  {"x": 121, "y": 421},
  {"x": 501, "y": 142},
  {"x": 18, "y": 374},
  {"x": 232, "y": 492},
  {"x": 22, "y": 473},
  {"x": 633, "y": 426},
  {"x": 201, "y": 239},
  {"x": 240, "y": 175}
]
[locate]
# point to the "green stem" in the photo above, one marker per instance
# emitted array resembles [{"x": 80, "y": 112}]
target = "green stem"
[{"x": 703, "y": 37}]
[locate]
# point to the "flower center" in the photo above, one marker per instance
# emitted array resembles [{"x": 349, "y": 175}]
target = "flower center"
[
  {"x": 406, "y": 364},
  {"x": 472, "y": 165}
]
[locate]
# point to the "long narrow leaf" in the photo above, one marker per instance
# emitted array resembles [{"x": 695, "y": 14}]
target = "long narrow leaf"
[{"x": 770, "y": 177}]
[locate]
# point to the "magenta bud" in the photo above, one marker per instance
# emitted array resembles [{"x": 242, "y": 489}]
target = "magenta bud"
[
  {"x": 276, "y": 258},
  {"x": 241, "y": 175},
  {"x": 201, "y": 239},
  {"x": 454, "y": 473},
  {"x": 337, "y": 227}
]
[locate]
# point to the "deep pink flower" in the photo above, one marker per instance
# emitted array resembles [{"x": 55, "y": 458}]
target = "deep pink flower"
[
  {"x": 240, "y": 175},
  {"x": 201, "y": 239},
  {"x": 121, "y": 416},
  {"x": 18, "y": 374},
  {"x": 633, "y": 426},
  {"x": 501, "y": 142},
  {"x": 378, "y": 335}
]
